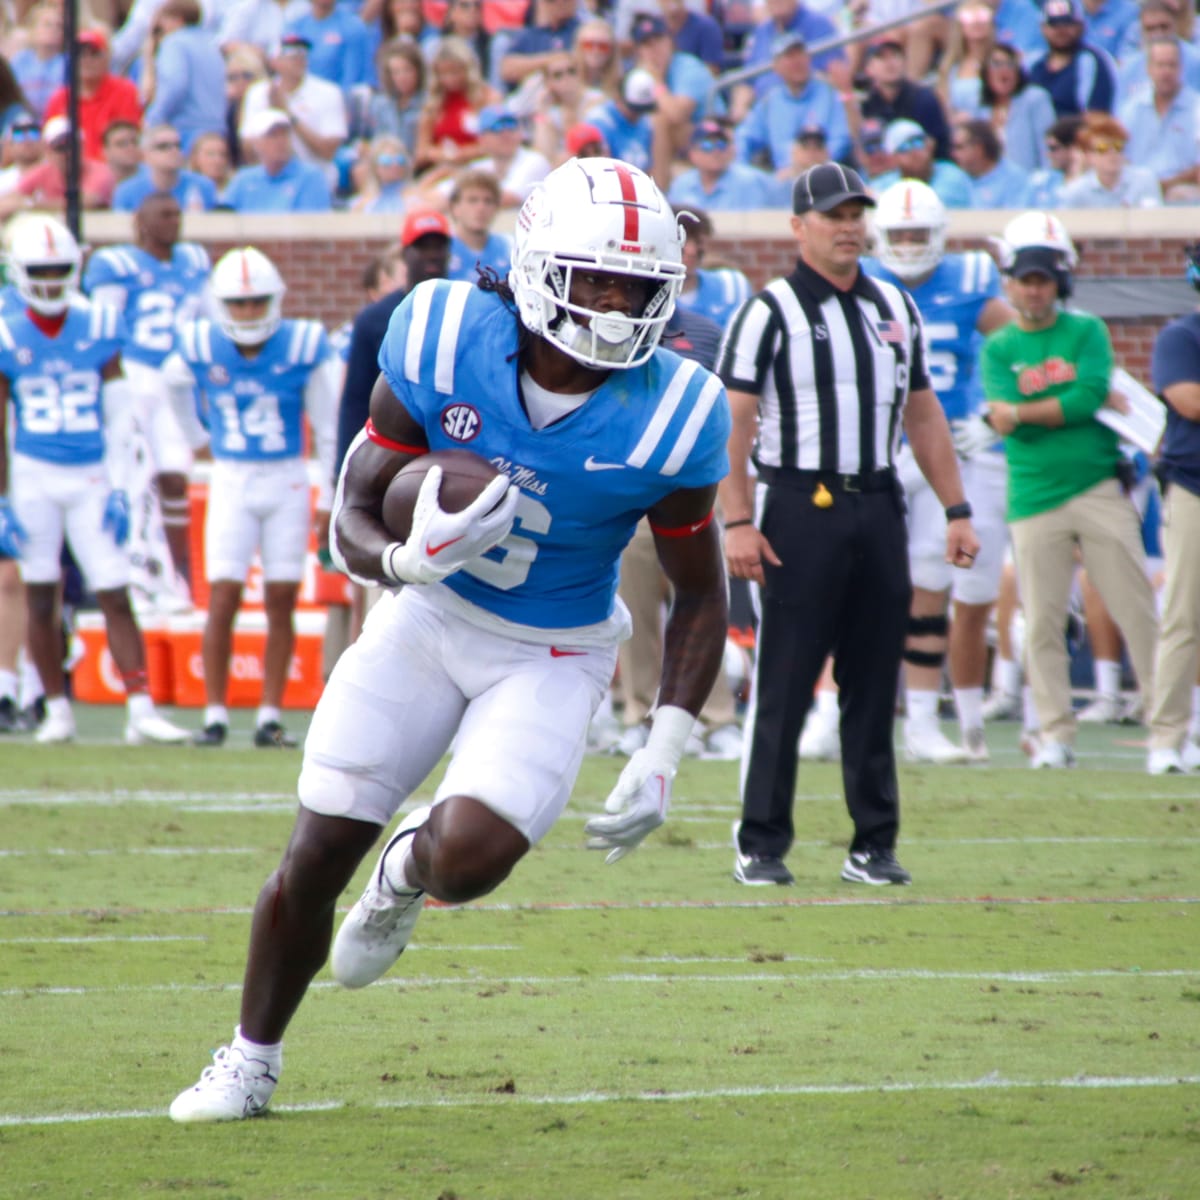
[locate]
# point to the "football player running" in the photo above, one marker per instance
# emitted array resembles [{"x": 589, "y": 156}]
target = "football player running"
[
  {"x": 960, "y": 298},
  {"x": 157, "y": 282},
  {"x": 255, "y": 377},
  {"x": 60, "y": 365},
  {"x": 503, "y": 642}
]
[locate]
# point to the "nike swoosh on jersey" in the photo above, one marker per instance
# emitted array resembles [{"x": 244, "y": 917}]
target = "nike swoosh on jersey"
[
  {"x": 555, "y": 652},
  {"x": 590, "y": 464},
  {"x": 432, "y": 550}
]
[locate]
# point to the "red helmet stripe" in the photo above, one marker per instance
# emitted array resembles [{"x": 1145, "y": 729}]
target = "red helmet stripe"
[{"x": 629, "y": 199}]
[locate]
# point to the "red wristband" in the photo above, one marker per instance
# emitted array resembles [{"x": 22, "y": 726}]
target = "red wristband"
[{"x": 388, "y": 443}]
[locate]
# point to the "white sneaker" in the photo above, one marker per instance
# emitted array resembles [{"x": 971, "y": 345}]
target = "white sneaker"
[
  {"x": 153, "y": 728},
  {"x": 233, "y": 1088},
  {"x": 633, "y": 739},
  {"x": 1164, "y": 761},
  {"x": 931, "y": 745},
  {"x": 57, "y": 727},
  {"x": 820, "y": 742},
  {"x": 975, "y": 745},
  {"x": 378, "y": 927},
  {"x": 1002, "y": 706},
  {"x": 1190, "y": 755},
  {"x": 1104, "y": 710},
  {"x": 724, "y": 744},
  {"x": 1053, "y": 755}
]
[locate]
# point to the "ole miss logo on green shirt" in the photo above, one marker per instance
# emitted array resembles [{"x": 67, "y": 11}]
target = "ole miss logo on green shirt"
[{"x": 1051, "y": 373}]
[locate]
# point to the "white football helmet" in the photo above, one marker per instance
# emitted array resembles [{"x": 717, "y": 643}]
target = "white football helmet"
[
  {"x": 247, "y": 274},
  {"x": 1042, "y": 234},
  {"x": 596, "y": 214},
  {"x": 36, "y": 243},
  {"x": 907, "y": 205}
]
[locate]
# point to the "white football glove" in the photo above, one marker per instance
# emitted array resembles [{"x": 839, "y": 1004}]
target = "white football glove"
[
  {"x": 440, "y": 543},
  {"x": 639, "y": 802},
  {"x": 972, "y": 436}
]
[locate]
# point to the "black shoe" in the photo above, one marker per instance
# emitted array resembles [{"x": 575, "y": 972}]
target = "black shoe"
[
  {"x": 211, "y": 735},
  {"x": 10, "y": 716},
  {"x": 32, "y": 715},
  {"x": 273, "y": 735},
  {"x": 760, "y": 870},
  {"x": 874, "y": 866}
]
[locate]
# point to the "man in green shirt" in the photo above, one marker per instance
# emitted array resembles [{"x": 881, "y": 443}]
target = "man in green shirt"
[{"x": 1045, "y": 377}]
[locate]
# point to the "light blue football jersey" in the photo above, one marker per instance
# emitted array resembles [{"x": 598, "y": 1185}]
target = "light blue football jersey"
[
  {"x": 465, "y": 262},
  {"x": 253, "y": 408},
  {"x": 158, "y": 296},
  {"x": 55, "y": 382},
  {"x": 450, "y": 356},
  {"x": 950, "y": 302},
  {"x": 718, "y": 294}
]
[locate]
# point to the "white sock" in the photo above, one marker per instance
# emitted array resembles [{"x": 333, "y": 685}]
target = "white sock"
[
  {"x": 922, "y": 709},
  {"x": 31, "y": 683},
  {"x": 1006, "y": 676},
  {"x": 1196, "y": 711},
  {"x": 1030, "y": 718},
  {"x": 58, "y": 706},
  {"x": 266, "y": 714},
  {"x": 395, "y": 867},
  {"x": 216, "y": 714},
  {"x": 827, "y": 708},
  {"x": 8, "y": 685},
  {"x": 140, "y": 705},
  {"x": 969, "y": 702},
  {"x": 1108, "y": 678},
  {"x": 272, "y": 1055}
]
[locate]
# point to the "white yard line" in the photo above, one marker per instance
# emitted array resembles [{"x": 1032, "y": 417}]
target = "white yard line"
[{"x": 989, "y": 1083}]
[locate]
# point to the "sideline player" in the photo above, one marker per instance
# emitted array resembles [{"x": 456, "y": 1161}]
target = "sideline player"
[
  {"x": 158, "y": 282},
  {"x": 960, "y": 298},
  {"x": 507, "y": 643},
  {"x": 60, "y": 365},
  {"x": 256, "y": 376}
]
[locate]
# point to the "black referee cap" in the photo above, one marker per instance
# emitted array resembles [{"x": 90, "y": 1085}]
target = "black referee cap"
[{"x": 827, "y": 185}]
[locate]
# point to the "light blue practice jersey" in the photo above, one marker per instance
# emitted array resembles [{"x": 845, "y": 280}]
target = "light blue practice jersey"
[
  {"x": 55, "y": 382},
  {"x": 450, "y": 356},
  {"x": 253, "y": 408},
  {"x": 718, "y": 294},
  {"x": 157, "y": 296},
  {"x": 950, "y": 302}
]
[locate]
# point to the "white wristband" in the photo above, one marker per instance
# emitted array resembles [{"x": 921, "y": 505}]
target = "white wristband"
[{"x": 669, "y": 732}]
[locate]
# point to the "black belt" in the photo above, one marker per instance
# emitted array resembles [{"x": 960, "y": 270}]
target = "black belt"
[{"x": 865, "y": 481}]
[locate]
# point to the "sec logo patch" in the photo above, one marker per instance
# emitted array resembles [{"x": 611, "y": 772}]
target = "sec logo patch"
[{"x": 461, "y": 422}]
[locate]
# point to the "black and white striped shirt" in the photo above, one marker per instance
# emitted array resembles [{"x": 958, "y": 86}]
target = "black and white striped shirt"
[{"x": 832, "y": 370}]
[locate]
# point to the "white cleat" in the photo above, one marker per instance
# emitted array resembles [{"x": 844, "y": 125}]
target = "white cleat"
[
  {"x": 930, "y": 745},
  {"x": 1190, "y": 755},
  {"x": 633, "y": 739},
  {"x": 378, "y": 927},
  {"x": 1002, "y": 706},
  {"x": 1053, "y": 755},
  {"x": 724, "y": 744},
  {"x": 56, "y": 728},
  {"x": 975, "y": 745},
  {"x": 1104, "y": 710},
  {"x": 820, "y": 742},
  {"x": 1164, "y": 761},
  {"x": 232, "y": 1089},
  {"x": 153, "y": 728}
]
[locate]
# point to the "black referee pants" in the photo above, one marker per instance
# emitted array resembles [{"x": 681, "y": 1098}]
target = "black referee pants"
[{"x": 843, "y": 589}]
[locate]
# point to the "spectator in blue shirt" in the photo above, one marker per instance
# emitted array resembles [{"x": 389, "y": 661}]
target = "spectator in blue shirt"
[
  {"x": 280, "y": 182},
  {"x": 683, "y": 81},
  {"x": 1020, "y": 23},
  {"x": 1109, "y": 180},
  {"x": 1026, "y": 109},
  {"x": 893, "y": 95},
  {"x": 529, "y": 51},
  {"x": 341, "y": 48},
  {"x": 768, "y": 131},
  {"x": 695, "y": 33},
  {"x": 162, "y": 170},
  {"x": 912, "y": 154},
  {"x": 1079, "y": 77},
  {"x": 1107, "y": 22},
  {"x": 189, "y": 74},
  {"x": 39, "y": 67},
  {"x": 717, "y": 183},
  {"x": 1156, "y": 18},
  {"x": 625, "y": 121},
  {"x": 1046, "y": 183},
  {"x": 1164, "y": 124},
  {"x": 995, "y": 182}
]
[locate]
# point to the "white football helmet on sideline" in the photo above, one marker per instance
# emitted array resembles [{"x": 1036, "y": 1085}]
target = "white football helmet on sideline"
[
  {"x": 910, "y": 206},
  {"x": 1041, "y": 235},
  {"x": 42, "y": 259},
  {"x": 596, "y": 214},
  {"x": 247, "y": 274}
]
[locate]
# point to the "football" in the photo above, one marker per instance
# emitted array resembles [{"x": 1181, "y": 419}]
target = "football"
[{"x": 464, "y": 476}]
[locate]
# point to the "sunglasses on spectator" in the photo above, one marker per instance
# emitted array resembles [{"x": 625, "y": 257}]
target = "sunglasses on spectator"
[
  {"x": 913, "y": 143},
  {"x": 594, "y": 44},
  {"x": 1105, "y": 145},
  {"x": 999, "y": 61},
  {"x": 564, "y": 72},
  {"x": 712, "y": 143},
  {"x": 391, "y": 160},
  {"x": 174, "y": 144},
  {"x": 25, "y": 133},
  {"x": 239, "y": 76}
]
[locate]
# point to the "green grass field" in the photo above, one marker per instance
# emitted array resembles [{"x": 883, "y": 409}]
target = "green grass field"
[{"x": 1022, "y": 1022}]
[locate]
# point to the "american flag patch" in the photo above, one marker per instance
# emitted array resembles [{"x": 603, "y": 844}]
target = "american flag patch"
[{"x": 890, "y": 331}]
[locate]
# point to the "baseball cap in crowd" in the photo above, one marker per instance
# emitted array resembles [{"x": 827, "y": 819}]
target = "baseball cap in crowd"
[
  {"x": 812, "y": 133},
  {"x": 903, "y": 135},
  {"x": 57, "y": 129},
  {"x": 647, "y": 27},
  {"x": 1036, "y": 260},
  {"x": 826, "y": 186},
  {"x": 711, "y": 135},
  {"x": 637, "y": 90},
  {"x": 885, "y": 41},
  {"x": 583, "y": 134},
  {"x": 792, "y": 40},
  {"x": 291, "y": 42},
  {"x": 420, "y": 223},
  {"x": 260, "y": 123},
  {"x": 495, "y": 118},
  {"x": 1062, "y": 12},
  {"x": 95, "y": 39}
]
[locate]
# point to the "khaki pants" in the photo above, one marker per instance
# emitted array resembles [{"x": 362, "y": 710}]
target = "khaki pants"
[
  {"x": 1179, "y": 640},
  {"x": 645, "y": 590},
  {"x": 1103, "y": 524}
]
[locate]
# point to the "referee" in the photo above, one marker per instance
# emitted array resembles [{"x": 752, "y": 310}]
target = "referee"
[{"x": 828, "y": 365}]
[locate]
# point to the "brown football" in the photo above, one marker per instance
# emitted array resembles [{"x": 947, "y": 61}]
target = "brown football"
[{"x": 464, "y": 476}]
